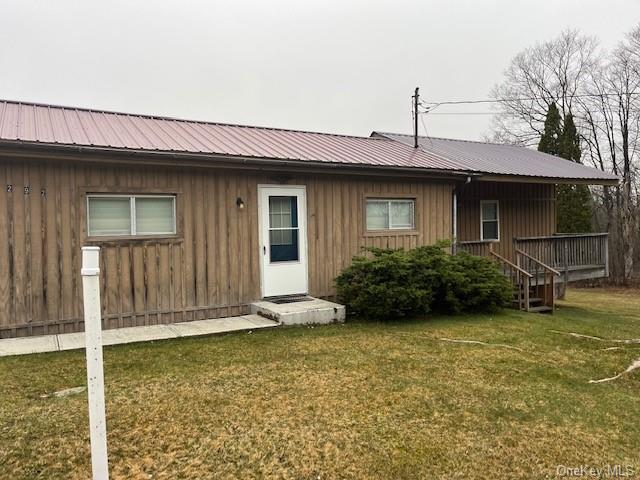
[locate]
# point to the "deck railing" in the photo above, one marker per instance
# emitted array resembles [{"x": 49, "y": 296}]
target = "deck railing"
[
  {"x": 479, "y": 248},
  {"x": 568, "y": 254}
]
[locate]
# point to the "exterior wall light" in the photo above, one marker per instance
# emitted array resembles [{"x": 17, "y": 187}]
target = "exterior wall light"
[{"x": 240, "y": 203}]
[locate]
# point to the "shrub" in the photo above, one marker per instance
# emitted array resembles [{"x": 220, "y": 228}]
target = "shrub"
[
  {"x": 391, "y": 284},
  {"x": 472, "y": 284}
]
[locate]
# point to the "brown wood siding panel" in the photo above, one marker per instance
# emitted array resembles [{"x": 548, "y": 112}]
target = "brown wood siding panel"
[
  {"x": 525, "y": 210},
  {"x": 210, "y": 269},
  {"x": 6, "y": 317}
]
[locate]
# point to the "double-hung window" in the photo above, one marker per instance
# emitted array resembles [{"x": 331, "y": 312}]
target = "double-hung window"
[
  {"x": 489, "y": 220},
  {"x": 390, "y": 214},
  {"x": 130, "y": 215}
]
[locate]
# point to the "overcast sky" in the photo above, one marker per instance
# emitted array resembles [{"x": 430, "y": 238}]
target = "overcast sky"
[{"x": 335, "y": 66}]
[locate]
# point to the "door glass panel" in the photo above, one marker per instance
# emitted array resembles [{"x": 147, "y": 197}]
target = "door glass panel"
[{"x": 283, "y": 229}]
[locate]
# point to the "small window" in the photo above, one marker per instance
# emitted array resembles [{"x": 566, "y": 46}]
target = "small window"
[
  {"x": 489, "y": 220},
  {"x": 131, "y": 215},
  {"x": 390, "y": 214}
]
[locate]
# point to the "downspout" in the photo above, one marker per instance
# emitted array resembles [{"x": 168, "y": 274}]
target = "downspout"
[{"x": 454, "y": 216}]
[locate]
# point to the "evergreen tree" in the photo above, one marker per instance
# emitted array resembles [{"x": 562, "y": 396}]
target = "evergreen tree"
[
  {"x": 550, "y": 139},
  {"x": 573, "y": 202},
  {"x": 569, "y": 141}
]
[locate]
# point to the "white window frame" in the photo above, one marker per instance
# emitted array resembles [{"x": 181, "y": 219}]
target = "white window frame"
[
  {"x": 482, "y": 220},
  {"x": 132, "y": 214},
  {"x": 389, "y": 202}
]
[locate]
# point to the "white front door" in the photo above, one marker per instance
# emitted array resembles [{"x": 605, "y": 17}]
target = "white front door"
[{"x": 283, "y": 239}]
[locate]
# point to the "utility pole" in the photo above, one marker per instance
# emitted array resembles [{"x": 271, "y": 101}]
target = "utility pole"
[{"x": 415, "y": 118}]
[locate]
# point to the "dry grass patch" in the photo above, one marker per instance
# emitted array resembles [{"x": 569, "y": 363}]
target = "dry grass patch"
[{"x": 343, "y": 401}]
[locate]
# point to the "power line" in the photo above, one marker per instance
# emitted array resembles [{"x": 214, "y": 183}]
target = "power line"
[
  {"x": 465, "y": 113},
  {"x": 433, "y": 105}
]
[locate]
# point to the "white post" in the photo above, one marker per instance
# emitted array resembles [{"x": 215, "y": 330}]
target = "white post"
[{"x": 95, "y": 375}]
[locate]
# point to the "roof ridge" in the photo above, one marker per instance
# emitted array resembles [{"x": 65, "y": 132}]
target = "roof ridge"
[
  {"x": 186, "y": 120},
  {"x": 483, "y": 142}
]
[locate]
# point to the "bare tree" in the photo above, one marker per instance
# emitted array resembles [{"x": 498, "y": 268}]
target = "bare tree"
[
  {"x": 610, "y": 117},
  {"x": 549, "y": 72},
  {"x": 602, "y": 91}
]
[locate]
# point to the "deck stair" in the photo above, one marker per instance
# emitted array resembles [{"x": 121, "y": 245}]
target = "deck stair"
[{"x": 534, "y": 286}]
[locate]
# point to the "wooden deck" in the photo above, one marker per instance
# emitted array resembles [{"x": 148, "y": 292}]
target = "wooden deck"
[
  {"x": 542, "y": 263},
  {"x": 576, "y": 257}
]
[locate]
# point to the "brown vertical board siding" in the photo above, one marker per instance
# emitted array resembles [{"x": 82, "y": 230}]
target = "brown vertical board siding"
[
  {"x": 139, "y": 282},
  {"x": 223, "y": 234},
  {"x": 112, "y": 287},
  {"x": 52, "y": 289},
  {"x": 211, "y": 236},
  {"x": 6, "y": 318},
  {"x": 164, "y": 285},
  {"x": 525, "y": 209},
  {"x": 17, "y": 199},
  {"x": 151, "y": 264},
  {"x": 246, "y": 237},
  {"x": 199, "y": 221},
  {"x": 188, "y": 256},
  {"x": 211, "y": 268},
  {"x": 36, "y": 205},
  {"x": 67, "y": 229}
]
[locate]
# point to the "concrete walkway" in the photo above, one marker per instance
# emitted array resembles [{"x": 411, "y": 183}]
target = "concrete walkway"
[{"x": 72, "y": 341}]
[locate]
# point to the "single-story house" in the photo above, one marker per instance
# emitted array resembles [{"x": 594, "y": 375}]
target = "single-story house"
[{"x": 198, "y": 220}]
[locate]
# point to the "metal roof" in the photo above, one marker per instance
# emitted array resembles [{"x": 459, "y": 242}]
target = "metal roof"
[
  {"x": 39, "y": 124},
  {"x": 30, "y": 123},
  {"x": 501, "y": 159}
]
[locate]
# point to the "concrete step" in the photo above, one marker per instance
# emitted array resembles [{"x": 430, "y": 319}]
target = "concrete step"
[{"x": 311, "y": 311}]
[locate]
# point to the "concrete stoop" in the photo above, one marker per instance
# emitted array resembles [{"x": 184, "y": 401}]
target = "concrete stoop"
[{"x": 312, "y": 311}]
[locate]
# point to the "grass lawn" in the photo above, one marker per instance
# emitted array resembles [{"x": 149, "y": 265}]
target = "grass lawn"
[{"x": 359, "y": 400}]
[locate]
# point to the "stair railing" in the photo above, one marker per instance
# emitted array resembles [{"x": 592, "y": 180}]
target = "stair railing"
[
  {"x": 532, "y": 264},
  {"x": 520, "y": 279}
]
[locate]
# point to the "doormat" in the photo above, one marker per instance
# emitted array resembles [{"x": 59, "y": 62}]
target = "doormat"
[{"x": 289, "y": 299}]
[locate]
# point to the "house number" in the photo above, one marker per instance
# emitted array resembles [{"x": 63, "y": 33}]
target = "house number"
[
  {"x": 9, "y": 188},
  {"x": 27, "y": 190},
  {"x": 43, "y": 192}
]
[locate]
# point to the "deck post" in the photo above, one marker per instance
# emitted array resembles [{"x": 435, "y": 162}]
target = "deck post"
[
  {"x": 563, "y": 290},
  {"x": 95, "y": 375},
  {"x": 606, "y": 256}
]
